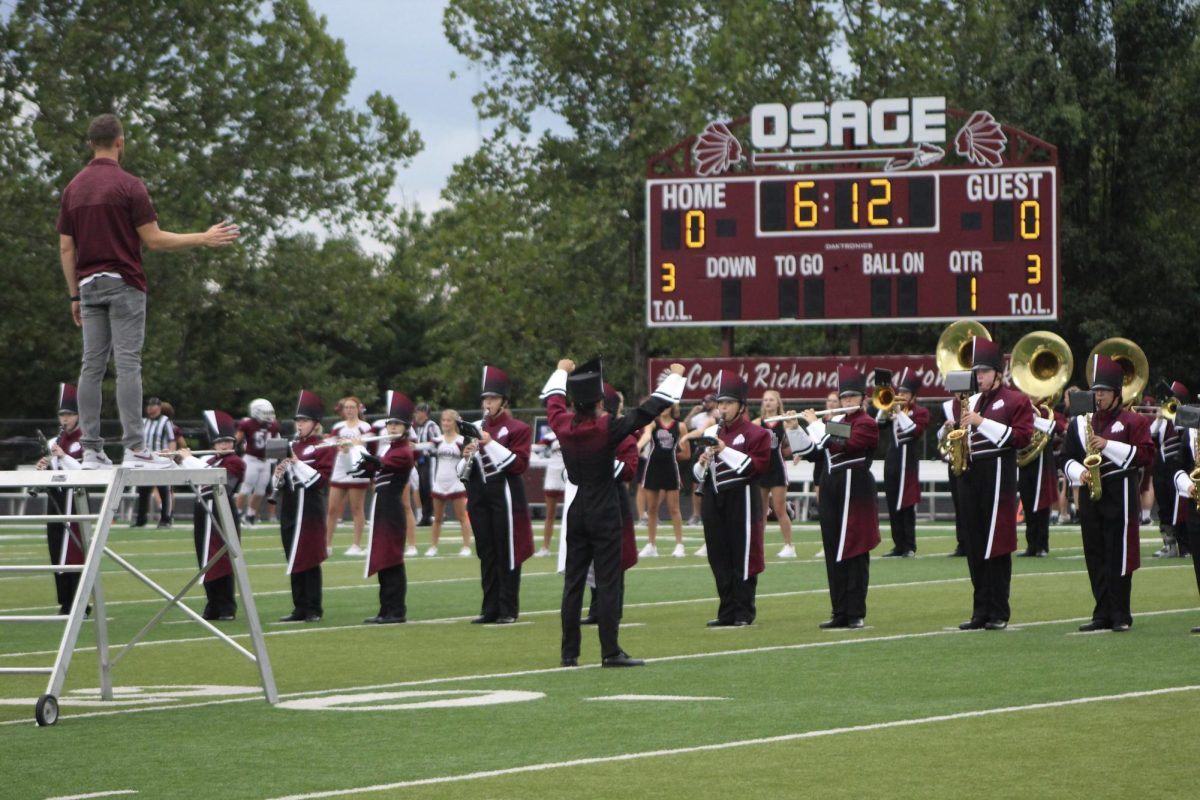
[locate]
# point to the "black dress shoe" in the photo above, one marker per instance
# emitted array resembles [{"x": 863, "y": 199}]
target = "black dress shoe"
[
  {"x": 1089, "y": 627},
  {"x": 1120, "y": 627},
  {"x": 569, "y": 662},
  {"x": 894, "y": 553},
  {"x": 742, "y": 623},
  {"x": 295, "y": 616},
  {"x": 313, "y": 618},
  {"x": 996, "y": 625},
  {"x": 833, "y": 622},
  {"x": 958, "y": 552},
  {"x": 1027, "y": 554},
  {"x": 717, "y": 623},
  {"x": 590, "y": 619},
  {"x": 484, "y": 619},
  {"x": 622, "y": 659},
  {"x": 389, "y": 620},
  {"x": 972, "y": 625},
  {"x": 855, "y": 623},
  {"x": 1196, "y": 629},
  {"x": 505, "y": 620},
  {"x": 372, "y": 620}
]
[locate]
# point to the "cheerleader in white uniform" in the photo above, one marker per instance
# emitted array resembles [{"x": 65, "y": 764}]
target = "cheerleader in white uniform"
[{"x": 447, "y": 488}]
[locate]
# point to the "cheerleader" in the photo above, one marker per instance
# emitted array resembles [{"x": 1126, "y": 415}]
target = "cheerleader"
[
  {"x": 774, "y": 482},
  {"x": 218, "y": 580},
  {"x": 65, "y": 540},
  {"x": 302, "y": 483},
  {"x": 552, "y": 487},
  {"x": 391, "y": 509},
  {"x": 447, "y": 489},
  {"x": 661, "y": 478},
  {"x": 343, "y": 486}
]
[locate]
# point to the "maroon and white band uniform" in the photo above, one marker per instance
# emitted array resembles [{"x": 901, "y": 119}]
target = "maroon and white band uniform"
[
  {"x": 1168, "y": 444},
  {"x": 388, "y": 533},
  {"x": 1110, "y": 525},
  {"x": 65, "y": 540},
  {"x": 848, "y": 505},
  {"x": 218, "y": 580},
  {"x": 254, "y": 435},
  {"x": 593, "y": 523},
  {"x": 731, "y": 506},
  {"x": 987, "y": 491},
  {"x": 1038, "y": 485},
  {"x": 302, "y": 497},
  {"x": 1187, "y": 459},
  {"x": 949, "y": 413},
  {"x": 624, "y": 470},
  {"x": 496, "y": 504},
  {"x": 902, "y": 430}
]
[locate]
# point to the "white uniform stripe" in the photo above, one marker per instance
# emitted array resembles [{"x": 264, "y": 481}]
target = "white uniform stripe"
[
  {"x": 1037, "y": 486},
  {"x": 995, "y": 513},
  {"x": 903, "y": 473},
  {"x": 512, "y": 555},
  {"x": 746, "y": 554},
  {"x": 845, "y": 515},
  {"x": 1125, "y": 527}
]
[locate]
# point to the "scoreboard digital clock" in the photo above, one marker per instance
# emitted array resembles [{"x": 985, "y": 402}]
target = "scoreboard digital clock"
[{"x": 854, "y": 235}]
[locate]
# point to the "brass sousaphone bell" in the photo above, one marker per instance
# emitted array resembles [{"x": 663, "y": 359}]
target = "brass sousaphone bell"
[
  {"x": 953, "y": 354},
  {"x": 1041, "y": 367},
  {"x": 1133, "y": 363}
]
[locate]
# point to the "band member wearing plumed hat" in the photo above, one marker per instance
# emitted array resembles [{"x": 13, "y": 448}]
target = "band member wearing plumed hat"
[
  {"x": 491, "y": 468},
  {"x": 1111, "y": 545},
  {"x": 592, "y": 522},
  {"x": 1186, "y": 461},
  {"x": 302, "y": 491},
  {"x": 902, "y": 428},
  {"x": 848, "y": 504},
  {"x": 218, "y": 580},
  {"x": 1172, "y": 506},
  {"x": 390, "y": 514},
  {"x": 731, "y": 502},
  {"x": 64, "y": 452},
  {"x": 1038, "y": 484},
  {"x": 1000, "y": 422}
]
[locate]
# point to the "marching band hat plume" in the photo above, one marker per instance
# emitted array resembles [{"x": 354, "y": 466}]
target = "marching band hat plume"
[{"x": 220, "y": 426}]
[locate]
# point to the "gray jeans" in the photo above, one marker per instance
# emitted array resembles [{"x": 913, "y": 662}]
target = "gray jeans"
[{"x": 114, "y": 322}]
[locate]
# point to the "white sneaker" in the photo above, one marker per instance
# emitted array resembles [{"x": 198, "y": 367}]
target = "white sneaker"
[
  {"x": 678, "y": 552},
  {"x": 788, "y": 551},
  {"x": 355, "y": 550},
  {"x": 410, "y": 551},
  {"x": 543, "y": 552},
  {"x": 95, "y": 459},
  {"x": 464, "y": 552},
  {"x": 144, "y": 459},
  {"x": 701, "y": 551},
  {"x": 432, "y": 551},
  {"x": 649, "y": 551}
]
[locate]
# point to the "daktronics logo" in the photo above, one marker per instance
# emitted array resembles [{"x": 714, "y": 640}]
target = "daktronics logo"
[{"x": 886, "y": 121}]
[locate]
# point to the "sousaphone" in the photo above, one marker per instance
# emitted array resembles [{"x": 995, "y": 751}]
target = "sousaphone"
[
  {"x": 1133, "y": 364},
  {"x": 1041, "y": 367}
]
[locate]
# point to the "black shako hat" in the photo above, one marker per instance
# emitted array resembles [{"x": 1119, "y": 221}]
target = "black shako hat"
[
  {"x": 850, "y": 381},
  {"x": 985, "y": 354},
  {"x": 730, "y": 386},
  {"x": 399, "y": 407},
  {"x": 309, "y": 406},
  {"x": 68, "y": 399},
  {"x": 220, "y": 426},
  {"x": 495, "y": 382},
  {"x": 586, "y": 383},
  {"x": 1107, "y": 374},
  {"x": 908, "y": 380}
]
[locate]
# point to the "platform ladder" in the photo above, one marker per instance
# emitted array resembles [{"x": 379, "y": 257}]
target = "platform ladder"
[{"x": 95, "y": 528}]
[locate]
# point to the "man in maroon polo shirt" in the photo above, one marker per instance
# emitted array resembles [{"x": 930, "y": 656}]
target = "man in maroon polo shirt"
[{"x": 104, "y": 219}]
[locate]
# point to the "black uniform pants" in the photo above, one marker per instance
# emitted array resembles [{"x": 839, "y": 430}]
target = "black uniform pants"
[
  {"x": 1037, "y": 523},
  {"x": 849, "y": 578},
  {"x": 904, "y": 527},
  {"x": 1103, "y": 524},
  {"x": 727, "y": 523},
  {"x": 306, "y": 591},
  {"x": 219, "y": 591},
  {"x": 588, "y": 544},
  {"x": 960, "y": 540},
  {"x": 66, "y": 584},
  {"x": 144, "y": 494},
  {"x": 491, "y": 523},
  {"x": 393, "y": 591},
  {"x": 1192, "y": 530},
  {"x": 990, "y": 577},
  {"x": 1163, "y": 481},
  {"x": 426, "y": 485}
]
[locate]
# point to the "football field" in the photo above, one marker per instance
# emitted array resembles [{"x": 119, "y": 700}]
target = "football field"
[{"x": 439, "y": 708}]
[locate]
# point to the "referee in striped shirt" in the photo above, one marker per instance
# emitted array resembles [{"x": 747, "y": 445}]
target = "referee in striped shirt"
[{"x": 158, "y": 434}]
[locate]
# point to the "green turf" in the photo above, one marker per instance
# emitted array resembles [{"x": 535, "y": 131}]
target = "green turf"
[{"x": 781, "y": 677}]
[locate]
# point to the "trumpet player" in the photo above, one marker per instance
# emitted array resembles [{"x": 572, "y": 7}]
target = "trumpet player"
[
  {"x": 1172, "y": 506},
  {"x": 302, "y": 490},
  {"x": 905, "y": 421},
  {"x": 999, "y": 421},
  {"x": 1121, "y": 440},
  {"x": 848, "y": 501}
]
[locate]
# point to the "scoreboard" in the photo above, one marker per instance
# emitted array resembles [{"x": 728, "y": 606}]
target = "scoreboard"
[{"x": 822, "y": 245}]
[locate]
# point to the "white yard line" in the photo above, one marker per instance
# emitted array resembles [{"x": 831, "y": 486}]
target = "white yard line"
[
  {"x": 729, "y": 745},
  {"x": 90, "y": 795}
]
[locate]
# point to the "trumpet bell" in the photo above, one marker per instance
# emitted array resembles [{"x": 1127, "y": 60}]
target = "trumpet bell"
[
  {"x": 954, "y": 345},
  {"x": 1133, "y": 363},
  {"x": 1042, "y": 365}
]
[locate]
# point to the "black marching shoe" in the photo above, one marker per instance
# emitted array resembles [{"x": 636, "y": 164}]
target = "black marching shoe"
[
  {"x": 742, "y": 623},
  {"x": 1089, "y": 627},
  {"x": 484, "y": 619},
  {"x": 569, "y": 662},
  {"x": 590, "y": 619},
  {"x": 372, "y": 620},
  {"x": 313, "y": 618},
  {"x": 894, "y": 553},
  {"x": 996, "y": 624},
  {"x": 505, "y": 620},
  {"x": 295, "y": 616},
  {"x": 622, "y": 659},
  {"x": 833, "y": 622},
  {"x": 958, "y": 552},
  {"x": 972, "y": 624},
  {"x": 855, "y": 623},
  {"x": 717, "y": 623},
  {"x": 1120, "y": 627},
  {"x": 1196, "y": 629}
]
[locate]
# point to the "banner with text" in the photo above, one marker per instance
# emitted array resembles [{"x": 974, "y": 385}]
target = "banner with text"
[{"x": 806, "y": 378}]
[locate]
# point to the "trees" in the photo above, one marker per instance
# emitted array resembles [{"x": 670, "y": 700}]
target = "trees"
[{"x": 233, "y": 109}]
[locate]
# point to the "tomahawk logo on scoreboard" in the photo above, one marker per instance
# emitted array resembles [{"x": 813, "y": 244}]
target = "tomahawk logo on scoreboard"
[{"x": 853, "y": 212}]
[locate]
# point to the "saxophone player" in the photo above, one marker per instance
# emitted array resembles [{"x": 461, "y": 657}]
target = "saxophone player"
[{"x": 1109, "y": 513}]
